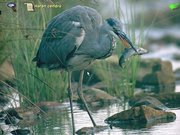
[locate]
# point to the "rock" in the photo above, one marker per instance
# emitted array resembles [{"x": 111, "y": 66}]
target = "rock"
[
  {"x": 173, "y": 97},
  {"x": 177, "y": 74},
  {"x": 97, "y": 95},
  {"x": 148, "y": 114},
  {"x": 3, "y": 99},
  {"x": 11, "y": 120},
  {"x": 162, "y": 74},
  {"x": 1, "y": 131},
  {"x": 170, "y": 98},
  {"x": 151, "y": 102},
  {"x": 138, "y": 97},
  {"x": 145, "y": 67},
  {"x": 100, "y": 85},
  {"x": 176, "y": 56},
  {"x": 6, "y": 71},
  {"x": 50, "y": 105},
  {"x": 143, "y": 114},
  {"x": 23, "y": 112},
  {"x": 91, "y": 130},
  {"x": 21, "y": 132},
  {"x": 29, "y": 122}
]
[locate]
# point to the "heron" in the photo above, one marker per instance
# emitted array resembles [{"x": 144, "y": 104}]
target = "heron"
[{"x": 73, "y": 40}]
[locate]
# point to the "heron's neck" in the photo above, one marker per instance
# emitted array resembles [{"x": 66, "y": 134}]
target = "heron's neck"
[
  {"x": 104, "y": 36},
  {"x": 105, "y": 43}
]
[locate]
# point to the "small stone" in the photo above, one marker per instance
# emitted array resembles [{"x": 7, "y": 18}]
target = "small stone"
[
  {"x": 151, "y": 102},
  {"x": 23, "y": 112},
  {"x": 170, "y": 98},
  {"x": 49, "y": 105},
  {"x": 97, "y": 95},
  {"x": 91, "y": 130},
  {"x": 21, "y": 132},
  {"x": 11, "y": 120}
]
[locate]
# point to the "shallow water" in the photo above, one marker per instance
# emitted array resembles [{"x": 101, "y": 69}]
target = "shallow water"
[{"x": 59, "y": 122}]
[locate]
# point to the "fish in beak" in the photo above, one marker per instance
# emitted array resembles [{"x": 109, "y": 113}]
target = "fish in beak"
[
  {"x": 125, "y": 40},
  {"x": 128, "y": 52}
]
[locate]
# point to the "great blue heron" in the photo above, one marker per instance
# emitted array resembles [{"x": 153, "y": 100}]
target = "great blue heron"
[{"x": 74, "y": 39}]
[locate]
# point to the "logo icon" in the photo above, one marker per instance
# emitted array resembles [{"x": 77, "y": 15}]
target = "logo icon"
[
  {"x": 174, "y": 6},
  {"x": 12, "y": 5},
  {"x": 30, "y": 7}
]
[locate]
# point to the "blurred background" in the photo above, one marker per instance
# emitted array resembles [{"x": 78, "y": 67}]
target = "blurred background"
[{"x": 150, "y": 24}]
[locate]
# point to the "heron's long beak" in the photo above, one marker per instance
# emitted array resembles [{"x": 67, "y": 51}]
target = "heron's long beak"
[{"x": 125, "y": 40}]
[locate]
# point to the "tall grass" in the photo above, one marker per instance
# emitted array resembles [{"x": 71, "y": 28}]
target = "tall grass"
[
  {"x": 22, "y": 33},
  {"x": 129, "y": 74}
]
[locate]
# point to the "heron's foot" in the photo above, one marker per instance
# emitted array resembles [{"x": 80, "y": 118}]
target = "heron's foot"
[{"x": 91, "y": 130}]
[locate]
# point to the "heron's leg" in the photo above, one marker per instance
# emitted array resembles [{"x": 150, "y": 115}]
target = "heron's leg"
[
  {"x": 70, "y": 93},
  {"x": 80, "y": 93}
]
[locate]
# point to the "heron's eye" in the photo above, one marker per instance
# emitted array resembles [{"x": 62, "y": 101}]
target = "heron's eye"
[{"x": 114, "y": 28}]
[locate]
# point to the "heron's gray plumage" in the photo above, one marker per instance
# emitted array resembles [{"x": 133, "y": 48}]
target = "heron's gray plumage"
[
  {"x": 61, "y": 33},
  {"x": 74, "y": 39},
  {"x": 82, "y": 25}
]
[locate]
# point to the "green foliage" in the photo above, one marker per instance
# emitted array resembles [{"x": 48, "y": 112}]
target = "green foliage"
[{"x": 22, "y": 33}]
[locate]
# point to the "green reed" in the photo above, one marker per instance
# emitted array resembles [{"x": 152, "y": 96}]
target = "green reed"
[{"x": 22, "y": 33}]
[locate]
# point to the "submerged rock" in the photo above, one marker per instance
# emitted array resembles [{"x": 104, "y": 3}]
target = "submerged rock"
[
  {"x": 143, "y": 114},
  {"x": 49, "y": 105},
  {"x": 21, "y": 132},
  {"x": 23, "y": 112},
  {"x": 11, "y": 120},
  {"x": 97, "y": 95},
  {"x": 177, "y": 74},
  {"x": 1, "y": 131},
  {"x": 91, "y": 130},
  {"x": 172, "y": 97},
  {"x": 151, "y": 102}
]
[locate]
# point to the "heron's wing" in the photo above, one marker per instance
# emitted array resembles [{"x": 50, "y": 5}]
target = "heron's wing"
[
  {"x": 65, "y": 33},
  {"x": 59, "y": 41}
]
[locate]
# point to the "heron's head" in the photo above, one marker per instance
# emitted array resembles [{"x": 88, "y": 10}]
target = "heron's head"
[{"x": 114, "y": 27}]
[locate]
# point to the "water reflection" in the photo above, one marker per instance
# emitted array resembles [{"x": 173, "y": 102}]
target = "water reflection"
[
  {"x": 138, "y": 126},
  {"x": 54, "y": 122},
  {"x": 60, "y": 122},
  {"x": 159, "y": 88}
]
